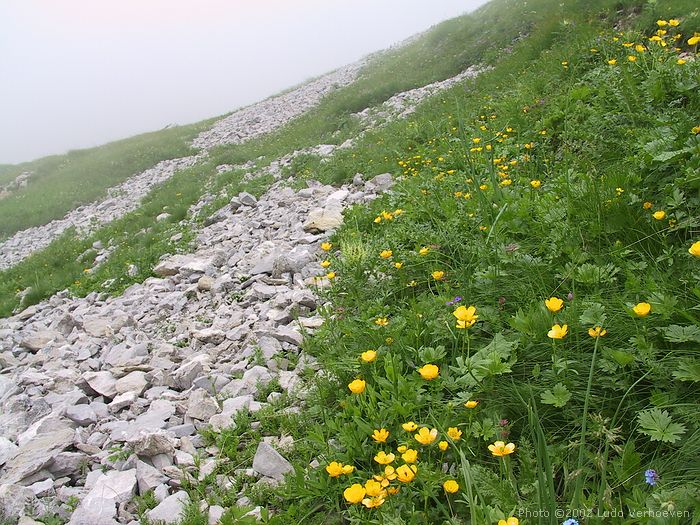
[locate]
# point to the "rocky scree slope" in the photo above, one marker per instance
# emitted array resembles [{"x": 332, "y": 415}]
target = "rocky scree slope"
[{"x": 145, "y": 371}]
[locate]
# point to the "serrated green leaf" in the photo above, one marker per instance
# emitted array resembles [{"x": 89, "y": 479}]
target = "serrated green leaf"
[
  {"x": 558, "y": 396},
  {"x": 658, "y": 425},
  {"x": 688, "y": 370},
  {"x": 682, "y": 334},
  {"x": 593, "y": 315},
  {"x": 621, "y": 357}
]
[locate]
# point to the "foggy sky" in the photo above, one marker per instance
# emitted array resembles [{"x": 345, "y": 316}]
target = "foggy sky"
[{"x": 78, "y": 73}]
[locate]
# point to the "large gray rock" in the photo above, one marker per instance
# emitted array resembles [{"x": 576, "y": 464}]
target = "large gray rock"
[
  {"x": 83, "y": 415},
  {"x": 148, "y": 477},
  {"x": 37, "y": 454},
  {"x": 201, "y": 405},
  {"x": 106, "y": 326},
  {"x": 270, "y": 463},
  {"x": 324, "y": 219},
  {"x": 132, "y": 382},
  {"x": 7, "y": 450},
  {"x": 15, "y": 500},
  {"x": 40, "y": 340},
  {"x": 152, "y": 444},
  {"x": 102, "y": 382},
  {"x": 170, "y": 509}
]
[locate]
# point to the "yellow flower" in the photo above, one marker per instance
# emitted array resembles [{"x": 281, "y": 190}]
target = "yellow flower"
[
  {"x": 659, "y": 215},
  {"x": 412, "y": 284},
  {"x": 438, "y": 275},
  {"x": 694, "y": 249},
  {"x": 661, "y": 23},
  {"x": 409, "y": 426},
  {"x": 373, "y": 488},
  {"x": 443, "y": 445},
  {"x": 674, "y": 22},
  {"x": 476, "y": 140},
  {"x": 471, "y": 404},
  {"x": 330, "y": 275},
  {"x": 647, "y": 205},
  {"x": 632, "y": 58},
  {"x": 466, "y": 317},
  {"x": 693, "y": 40},
  {"x": 374, "y": 502},
  {"x": 499, "y": 448},
  {"x": 348, "y": 469},
  {"x": 326, "y": 246},
  {"x": 357, "y": 386},
  {"x": 398, "y": 265},
  {"x": 506, "y": 182},
  {"x": 383, "y": 458},
  {"x": 454, "y": 433},
  {"x": 680, "y": 61},
  {"x": 386, "y": 478},
  {"x": 642, "y": 309},
  {"x": 406, "y": 473},
  {"x": 334, "y": 469},
  {"x": 558, "y": 332},
  {"x": 381, "y": 435},
  {"x": 639, "y": 48},
  {"x": 368, "y": 356},
  {"x": 410, "y": 455},
  {"x": 385, "y": 254},
  {"x": 377, "y": 219},
  {"x": 426, "y": 436},
  {"x": 554, "y": 304},
  {"x": 381, "y": 321},
  {"x": 483, "y": 187},
  {"x": 423, "y": 251},
  {"x": 510, "y": 521},
  {"x": 450, "y": 486},
  {"x": 354, "y": 493},
  {"x": 612, "y": 61},
  {"x": 535, "y": 183},
  {"x": 598, "y": 331},
  {"x": 429, "y": 372},
  {"x": 325, "y": 264},
  {"x": 695, "y": 130}
]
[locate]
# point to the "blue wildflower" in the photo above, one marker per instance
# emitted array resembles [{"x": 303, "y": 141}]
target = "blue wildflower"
[
  {"x": 651, "y": 477},
  {"x": 570, "y": 521},
  {"x": 454, "y": 301}
]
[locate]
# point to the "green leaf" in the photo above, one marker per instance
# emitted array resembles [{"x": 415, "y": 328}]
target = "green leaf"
[
  {"x": 682, "y": 334},
  {"x": 688, "y": 370},
  {"x": 558, "y": 396},
  {"x": 593, "y": 315},
  {"x": 621, "y": 357},
  {"x": 658, "y": 425}
]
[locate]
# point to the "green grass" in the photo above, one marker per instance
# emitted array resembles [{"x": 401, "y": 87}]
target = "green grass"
[
  {"x": 61, "y": 183},
  {"x": 588, "y": 415}
]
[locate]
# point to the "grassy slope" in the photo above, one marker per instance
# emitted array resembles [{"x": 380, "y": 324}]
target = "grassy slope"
[
  {"x": 63, "y": 182},
  {"x": 602, "y": 139},
  {"x": 462, "y": 42}
]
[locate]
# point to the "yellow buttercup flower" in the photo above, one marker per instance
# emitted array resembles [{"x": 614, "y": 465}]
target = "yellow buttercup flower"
[
  {"x": 535, "y": 183},
  {"x": 402, "y": 449},
  {"x": 325, "y": 264},
  {"x": 326, "y": 246},
  {"x": 381, "y": 321},
  {"x": 558, "y": 332},
  {"x": 510, "y": 521},
  {"x": 466, "y": 317},
  {"x": 410, "y": 455},
  {"x": 373, "y": 488},
  {"x": 385, "y": 254},
  {"x": 598, "y": 331},
  {"x": 334, "y": 469},
  {"x": 661, "y": 23},
  {"x": 438, "y": 275},
  {"x": 693, "y": 40},
  {"x": 500, "y": 449},
  {"x": 348, "y": 469},
  {"x": 387, "y": 477},
  {"x": 554, "y": 304},
  {"x": 674, "y": 22},
  {"x": 647, "y": 205},
  {"x": 632, "y": 58},
  {"x": 368, "y": 356},
  {"x": 694, "y": 249},
  {"x": 424, "y": 251},
  {"x": 381, "y": 435},
  {"x": 659, "y": 215},
  {"x": 357, "y": 386},
  {"x": 680, "y": 61},
  {"x": 409, "y": 426},
  {"x": 354, "y": 493},
  {"x": 471, "y": 404},
  {"x": 383, "y": 458},
  {"x": 398, "y": 265},
  {"x": 426, "y": 436},
  {"x": 454, "y": 433},
  {"x": 406, "y": 473},
  {"x": 374, "y": 502},
  {"x": 443, "y": 445},
  {"x": 639, "y": 48},
  {"x": 330, "y": 275},
  {"x": 450, "y": 486},
  {"x": 612, "y": 61},
  {"x": 429, "y": 372},
  {"x": 642, "y": 309}
]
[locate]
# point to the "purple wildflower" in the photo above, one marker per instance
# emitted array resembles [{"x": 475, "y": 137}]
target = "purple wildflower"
[
  {"x": 454, "y": 301},
  {"x": 570, "y": 521},
  {"x": 651, "y": 477}
]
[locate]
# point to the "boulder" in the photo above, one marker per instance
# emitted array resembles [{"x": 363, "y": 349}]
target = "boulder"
[{"x": 270, "y": 463}]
